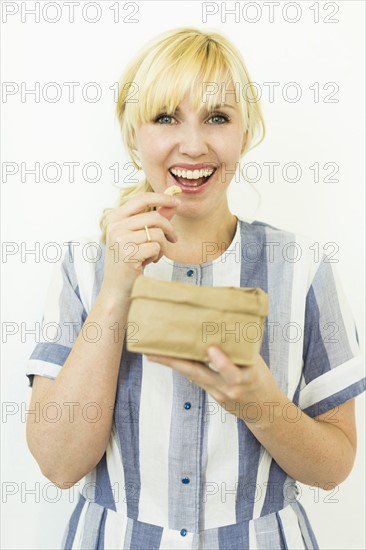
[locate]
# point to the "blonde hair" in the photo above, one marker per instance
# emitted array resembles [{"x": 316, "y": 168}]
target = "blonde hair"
[{"x": 174, "y": 65}]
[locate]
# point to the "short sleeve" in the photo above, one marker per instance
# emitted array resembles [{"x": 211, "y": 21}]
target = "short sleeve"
[
  {"x": 63, "y": 318},
  {"x": 333, "y": 368}
]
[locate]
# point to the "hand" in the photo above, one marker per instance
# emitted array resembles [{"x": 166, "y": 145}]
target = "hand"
[
  {"x": 233, "y": 387},
  {"x": 128, "y": 250},
  {"x": 315, "y": 451}
]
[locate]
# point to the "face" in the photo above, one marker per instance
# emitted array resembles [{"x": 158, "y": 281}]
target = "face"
[{"x": 198, "y": 151}]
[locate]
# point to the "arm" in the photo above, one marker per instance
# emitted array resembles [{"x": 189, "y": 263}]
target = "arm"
[
  {"x": 315, "y": 451},
  {"x": 68, "y": 449}
]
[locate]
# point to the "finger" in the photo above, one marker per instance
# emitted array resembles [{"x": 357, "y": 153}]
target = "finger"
[
  {"x": 132, "y": 249},
  {"x": 130, "y": 239},
  {"x": 142, "y": 254},
  {"x": 222, "y": 364},
  {"x": 193, "y": 370},
  {"x": 168, "y": 213},
  {"x": 156, "y": 235},
  {"x": 145, "y": 200},
  {"x": 152, "y": 219},
  {"x": 154, "y": 259}
]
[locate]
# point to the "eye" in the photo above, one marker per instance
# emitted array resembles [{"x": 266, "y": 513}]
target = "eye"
[
  {"x": 218, "y": 118},
  {"x": 164, "y": 118}
]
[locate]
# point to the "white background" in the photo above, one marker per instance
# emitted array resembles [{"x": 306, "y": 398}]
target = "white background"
[{"x": 305, "y": 132}]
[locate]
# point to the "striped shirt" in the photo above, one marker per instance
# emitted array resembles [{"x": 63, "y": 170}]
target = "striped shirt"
[{"x": 181, "y": 472}]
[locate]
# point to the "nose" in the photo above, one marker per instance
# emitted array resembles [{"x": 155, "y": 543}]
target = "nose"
[{"x": 192, "y": 139}]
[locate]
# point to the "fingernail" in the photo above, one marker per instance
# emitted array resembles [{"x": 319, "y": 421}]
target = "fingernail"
[
  {"x": 213, "y": 353},
  {"x": 212, "y": 366},
  {"x": 175, "y": 201}
]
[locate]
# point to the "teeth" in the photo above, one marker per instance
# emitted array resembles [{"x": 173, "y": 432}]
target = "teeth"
[{"x": 192, "y": 174}]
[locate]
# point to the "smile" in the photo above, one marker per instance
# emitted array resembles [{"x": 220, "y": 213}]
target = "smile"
[
  {"x": 192, "y": 174},
  {"x": 191, "y": 178}
]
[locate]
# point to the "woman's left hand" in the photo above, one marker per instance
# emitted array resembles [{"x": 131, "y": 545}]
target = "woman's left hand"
[
  {"x": 315, "y": 451},
  {"x": 239, "y": 389}
]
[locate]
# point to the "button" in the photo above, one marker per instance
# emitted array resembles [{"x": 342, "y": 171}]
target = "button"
[
  {"x": 185, "y": 480},
  {"x": 187, "y": 405},
  {"x": 183, "y": 532},
  {"x": 190, "y": 272}
]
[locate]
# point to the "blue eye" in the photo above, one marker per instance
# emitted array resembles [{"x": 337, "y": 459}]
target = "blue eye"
[
  {"x": 219, "y": 118},
  {"x": 214, "y": 118},
  {"x": 164, "y": 118}
]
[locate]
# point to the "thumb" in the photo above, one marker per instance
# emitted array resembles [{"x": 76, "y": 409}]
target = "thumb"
[{"x": 167, "y": 212}]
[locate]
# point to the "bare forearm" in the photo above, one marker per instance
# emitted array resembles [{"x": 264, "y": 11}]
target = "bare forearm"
[
  {"x": 313, "y": 452},
  {"x": 84, "y": 393}
]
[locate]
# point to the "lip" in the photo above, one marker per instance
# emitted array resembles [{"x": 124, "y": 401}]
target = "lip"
[
  {"x": 187, "y": 190},
  {"x": 204, "y": 166}
]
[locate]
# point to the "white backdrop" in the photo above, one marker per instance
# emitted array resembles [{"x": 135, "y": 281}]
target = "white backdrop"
[{"x": 309, "y": 55}]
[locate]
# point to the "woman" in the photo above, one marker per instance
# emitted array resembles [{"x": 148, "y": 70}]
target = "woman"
[{"x": 172, "y": 454}]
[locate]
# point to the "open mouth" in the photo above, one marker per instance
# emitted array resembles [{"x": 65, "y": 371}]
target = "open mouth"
[{"x": 192, "y": 178}]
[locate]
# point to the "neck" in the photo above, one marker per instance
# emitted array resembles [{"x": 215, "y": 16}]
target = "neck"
[{"x": 202, "y": 239}]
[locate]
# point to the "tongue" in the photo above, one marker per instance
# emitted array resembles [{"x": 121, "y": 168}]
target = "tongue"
[{"x": 189, "y": 182}]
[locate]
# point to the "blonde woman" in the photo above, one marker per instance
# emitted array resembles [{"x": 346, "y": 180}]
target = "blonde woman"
[{"x": 168, "y": 453}]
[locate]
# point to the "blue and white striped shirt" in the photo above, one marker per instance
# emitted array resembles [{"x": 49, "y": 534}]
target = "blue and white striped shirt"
[{"x": 181, "y": 472}]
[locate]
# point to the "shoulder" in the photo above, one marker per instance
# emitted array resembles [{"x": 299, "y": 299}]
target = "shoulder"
[
  {"x": 283, "y": 247},
  {"x": 265, "y": 232},
  {"x": 269, "y": 230}
]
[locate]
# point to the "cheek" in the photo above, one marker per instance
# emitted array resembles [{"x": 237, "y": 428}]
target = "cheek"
[
  {"x": 230, "y": 153},
  {"x": 154, "y": 151},
  {"x": 229, "y": 145}
]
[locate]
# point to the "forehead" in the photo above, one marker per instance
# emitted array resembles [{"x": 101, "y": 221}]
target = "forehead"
[
  {"x": 206, "y": 79},
  {"x": 217, "y": 102},
  {"x": 219, "y": 93}
]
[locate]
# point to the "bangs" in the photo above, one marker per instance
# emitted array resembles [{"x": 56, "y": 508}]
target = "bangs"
[
  {"x": 185, "y": 63},
  {"x": 197, "y": 71}
]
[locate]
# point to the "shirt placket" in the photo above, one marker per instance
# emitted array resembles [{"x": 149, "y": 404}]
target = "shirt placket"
[{"x": 187, "y": 477}]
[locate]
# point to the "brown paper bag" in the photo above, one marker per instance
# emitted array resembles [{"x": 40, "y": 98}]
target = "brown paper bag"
[{"x": 181, "y": 320}]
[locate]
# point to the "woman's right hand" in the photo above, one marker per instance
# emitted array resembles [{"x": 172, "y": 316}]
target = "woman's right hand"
[
  {"x": 90, "y": 372},
  {"x": 127, "y": 249}
]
